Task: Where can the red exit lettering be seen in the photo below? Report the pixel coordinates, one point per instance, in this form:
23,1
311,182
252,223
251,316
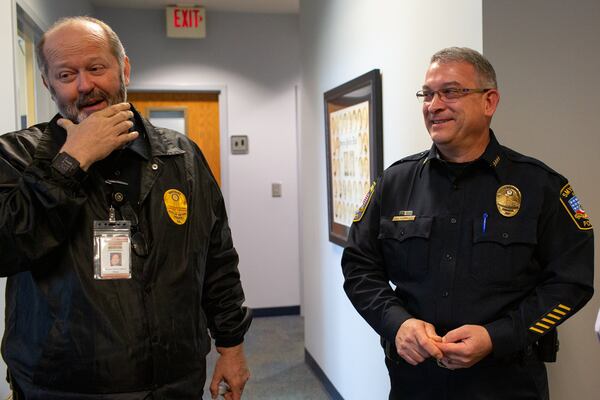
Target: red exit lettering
186,18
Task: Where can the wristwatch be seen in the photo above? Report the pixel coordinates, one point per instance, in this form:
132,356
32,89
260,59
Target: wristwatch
68,166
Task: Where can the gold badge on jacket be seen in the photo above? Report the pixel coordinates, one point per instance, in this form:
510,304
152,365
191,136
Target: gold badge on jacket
508,200
176,205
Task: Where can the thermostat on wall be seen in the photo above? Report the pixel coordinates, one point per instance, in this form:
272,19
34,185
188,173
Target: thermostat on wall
239,144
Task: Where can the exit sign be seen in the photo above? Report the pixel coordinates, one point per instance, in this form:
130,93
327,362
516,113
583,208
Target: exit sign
186,22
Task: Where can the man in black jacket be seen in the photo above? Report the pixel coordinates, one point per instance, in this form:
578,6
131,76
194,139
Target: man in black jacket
99,180
489,251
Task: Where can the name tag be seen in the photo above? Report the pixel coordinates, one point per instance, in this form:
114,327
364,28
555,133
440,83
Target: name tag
398,218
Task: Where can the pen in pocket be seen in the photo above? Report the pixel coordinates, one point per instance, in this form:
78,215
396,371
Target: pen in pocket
484,223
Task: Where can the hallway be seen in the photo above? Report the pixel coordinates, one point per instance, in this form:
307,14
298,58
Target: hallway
275,350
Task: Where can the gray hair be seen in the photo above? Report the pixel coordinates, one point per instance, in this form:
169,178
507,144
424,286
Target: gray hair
114,43
484,69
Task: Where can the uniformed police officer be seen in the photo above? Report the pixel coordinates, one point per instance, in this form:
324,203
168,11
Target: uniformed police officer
489,251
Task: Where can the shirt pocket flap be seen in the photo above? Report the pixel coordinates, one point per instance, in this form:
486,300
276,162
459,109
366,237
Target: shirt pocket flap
420,227
505,231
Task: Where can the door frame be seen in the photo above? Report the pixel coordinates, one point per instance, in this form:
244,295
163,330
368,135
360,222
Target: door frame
221,92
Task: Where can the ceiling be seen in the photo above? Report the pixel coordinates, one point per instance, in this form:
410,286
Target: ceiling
248,6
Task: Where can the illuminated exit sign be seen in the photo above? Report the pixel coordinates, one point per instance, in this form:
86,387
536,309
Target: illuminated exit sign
186,22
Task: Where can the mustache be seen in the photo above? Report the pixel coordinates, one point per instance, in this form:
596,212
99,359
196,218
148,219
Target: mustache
95,96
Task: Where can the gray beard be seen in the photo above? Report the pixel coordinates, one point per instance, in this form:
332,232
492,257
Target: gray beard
72,110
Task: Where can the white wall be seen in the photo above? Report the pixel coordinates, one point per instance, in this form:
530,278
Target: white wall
45,12
546,56
256,58
340,40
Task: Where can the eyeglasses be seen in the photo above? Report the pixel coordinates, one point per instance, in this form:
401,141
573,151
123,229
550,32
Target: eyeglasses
447,95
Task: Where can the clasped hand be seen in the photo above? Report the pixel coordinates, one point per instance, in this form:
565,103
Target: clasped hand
462,347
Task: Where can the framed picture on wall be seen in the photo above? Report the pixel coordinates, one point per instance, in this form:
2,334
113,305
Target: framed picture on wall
354,142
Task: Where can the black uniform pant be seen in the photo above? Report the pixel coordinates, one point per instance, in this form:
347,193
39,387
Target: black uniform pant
522,378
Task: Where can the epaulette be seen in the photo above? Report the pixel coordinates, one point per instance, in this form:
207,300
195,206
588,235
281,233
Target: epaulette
413,157
517,157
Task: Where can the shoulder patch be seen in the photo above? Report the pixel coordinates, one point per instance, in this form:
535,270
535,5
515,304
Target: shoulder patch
571,204
365,203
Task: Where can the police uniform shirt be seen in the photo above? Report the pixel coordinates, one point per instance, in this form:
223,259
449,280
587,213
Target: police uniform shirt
459,253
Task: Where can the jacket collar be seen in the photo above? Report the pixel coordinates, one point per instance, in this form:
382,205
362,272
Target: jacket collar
161,144
52,139
140,146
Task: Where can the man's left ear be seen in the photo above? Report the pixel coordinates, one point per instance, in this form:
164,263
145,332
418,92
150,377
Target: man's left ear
492,98
47,85
44,81
126,70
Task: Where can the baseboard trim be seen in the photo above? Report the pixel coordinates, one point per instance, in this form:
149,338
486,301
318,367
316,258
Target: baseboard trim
329,388
276,311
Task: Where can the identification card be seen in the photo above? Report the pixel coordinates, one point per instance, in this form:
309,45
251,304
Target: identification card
112,249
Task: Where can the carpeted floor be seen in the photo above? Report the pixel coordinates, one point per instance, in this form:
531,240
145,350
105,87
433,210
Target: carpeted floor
275,351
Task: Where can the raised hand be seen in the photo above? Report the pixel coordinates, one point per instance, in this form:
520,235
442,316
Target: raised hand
99,134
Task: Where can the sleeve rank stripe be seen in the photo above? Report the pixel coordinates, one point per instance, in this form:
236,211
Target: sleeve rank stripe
550,319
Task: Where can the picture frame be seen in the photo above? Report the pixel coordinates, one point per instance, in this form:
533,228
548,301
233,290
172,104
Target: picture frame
354,149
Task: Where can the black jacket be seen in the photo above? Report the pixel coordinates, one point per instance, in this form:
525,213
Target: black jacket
435,231
66,331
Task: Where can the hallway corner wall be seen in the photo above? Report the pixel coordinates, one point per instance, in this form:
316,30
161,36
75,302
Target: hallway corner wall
546,57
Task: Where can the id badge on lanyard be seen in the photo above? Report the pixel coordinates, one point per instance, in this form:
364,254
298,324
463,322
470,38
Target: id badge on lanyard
112,248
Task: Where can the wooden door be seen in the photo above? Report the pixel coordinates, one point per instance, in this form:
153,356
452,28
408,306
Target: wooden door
201,115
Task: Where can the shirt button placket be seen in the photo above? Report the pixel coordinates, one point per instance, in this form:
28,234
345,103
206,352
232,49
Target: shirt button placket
450,233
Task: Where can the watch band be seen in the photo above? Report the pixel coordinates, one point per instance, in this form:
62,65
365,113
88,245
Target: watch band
68,166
